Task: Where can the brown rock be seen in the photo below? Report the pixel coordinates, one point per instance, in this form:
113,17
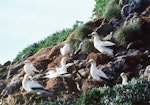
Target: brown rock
55,62
99,58
44,56
56,84
89,84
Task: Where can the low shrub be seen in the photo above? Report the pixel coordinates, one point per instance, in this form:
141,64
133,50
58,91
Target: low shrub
47,103
112,10
136,91
129,33
74,44
88,47
83,31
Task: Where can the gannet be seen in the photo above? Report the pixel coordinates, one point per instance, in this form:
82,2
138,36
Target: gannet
124,78
146,73
65,50
95,72
29,68
59,71
95,16
102,45
30,85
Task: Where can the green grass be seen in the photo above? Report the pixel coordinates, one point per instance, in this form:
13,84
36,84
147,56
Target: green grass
100,6
112,10
129,33
47,103
74,44
83,31
88,47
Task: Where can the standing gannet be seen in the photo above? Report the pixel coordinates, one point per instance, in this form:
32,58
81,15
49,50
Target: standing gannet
29,68
124,78
95,72
59,71
29,85
65,50
102,45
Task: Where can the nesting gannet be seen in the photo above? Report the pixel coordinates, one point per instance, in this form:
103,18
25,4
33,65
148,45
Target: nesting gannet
65,50
102,46
29,68
30,85
146,73
95,72
95,16
124,78
60,71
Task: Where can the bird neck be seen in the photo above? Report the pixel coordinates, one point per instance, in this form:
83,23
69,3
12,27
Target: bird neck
24,80
63,63
124,79
93,66
96,38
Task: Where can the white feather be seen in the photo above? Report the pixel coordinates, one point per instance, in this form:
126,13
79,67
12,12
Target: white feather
65,50
124,78
59,71
101,46
28,84
29,68
95,72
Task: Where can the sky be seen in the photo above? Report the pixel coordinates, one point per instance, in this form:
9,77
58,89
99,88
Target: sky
23,22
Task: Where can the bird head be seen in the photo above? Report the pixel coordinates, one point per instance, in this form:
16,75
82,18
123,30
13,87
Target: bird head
91,61
93,34
28,77
123,75
65,59
26,61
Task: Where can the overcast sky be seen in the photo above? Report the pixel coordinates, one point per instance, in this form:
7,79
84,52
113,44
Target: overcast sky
23,22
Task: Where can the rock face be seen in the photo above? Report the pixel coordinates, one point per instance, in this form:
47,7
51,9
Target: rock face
132,58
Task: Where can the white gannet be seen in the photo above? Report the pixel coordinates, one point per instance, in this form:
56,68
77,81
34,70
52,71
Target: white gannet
146,73
95,16
29,85
102,45
95,72
59,71
124,78
65,50
29,68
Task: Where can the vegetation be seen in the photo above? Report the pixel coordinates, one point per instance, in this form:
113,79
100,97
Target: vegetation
100,6
136,91
74,44
88,47
83,31
47,103
128,33
112,10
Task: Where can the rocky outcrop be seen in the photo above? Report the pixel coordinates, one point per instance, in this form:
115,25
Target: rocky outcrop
132,56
